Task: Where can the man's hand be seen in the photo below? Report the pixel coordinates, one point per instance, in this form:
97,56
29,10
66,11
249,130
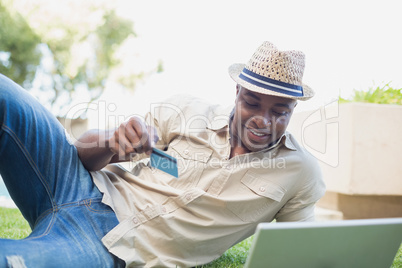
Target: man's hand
132,137
97,148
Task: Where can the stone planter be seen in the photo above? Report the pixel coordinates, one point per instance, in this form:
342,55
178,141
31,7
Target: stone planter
359,147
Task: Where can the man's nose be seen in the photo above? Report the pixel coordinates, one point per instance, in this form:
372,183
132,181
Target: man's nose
262,121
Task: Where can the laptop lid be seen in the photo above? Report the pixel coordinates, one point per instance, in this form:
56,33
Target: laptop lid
349,243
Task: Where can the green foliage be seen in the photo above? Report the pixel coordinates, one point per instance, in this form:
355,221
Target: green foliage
382,95
19,55
111,33
66,51
83,57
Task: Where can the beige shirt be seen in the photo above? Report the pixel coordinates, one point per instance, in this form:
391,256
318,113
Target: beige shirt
215,202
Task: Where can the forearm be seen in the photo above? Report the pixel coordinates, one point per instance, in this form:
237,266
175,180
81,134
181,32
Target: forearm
93,149
97,148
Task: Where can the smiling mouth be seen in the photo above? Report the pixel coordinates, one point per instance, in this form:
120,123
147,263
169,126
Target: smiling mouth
258,134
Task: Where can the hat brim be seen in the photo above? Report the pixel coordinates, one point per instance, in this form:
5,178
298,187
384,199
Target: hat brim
237,68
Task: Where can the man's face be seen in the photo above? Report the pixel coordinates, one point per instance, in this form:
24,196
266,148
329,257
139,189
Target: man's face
259,120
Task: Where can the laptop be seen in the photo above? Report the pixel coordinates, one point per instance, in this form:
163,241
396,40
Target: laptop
349,243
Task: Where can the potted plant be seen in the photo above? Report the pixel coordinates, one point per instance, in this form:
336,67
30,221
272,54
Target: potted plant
357,142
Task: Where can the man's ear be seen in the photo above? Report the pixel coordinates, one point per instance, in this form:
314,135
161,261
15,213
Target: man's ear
238,88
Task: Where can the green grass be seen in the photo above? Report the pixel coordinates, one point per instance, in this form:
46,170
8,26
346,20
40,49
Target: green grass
398,259
233,257
14,226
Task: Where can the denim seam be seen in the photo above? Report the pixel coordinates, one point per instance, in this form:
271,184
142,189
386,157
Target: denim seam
49,227
35,168
88,205
85,202
30,161
44,214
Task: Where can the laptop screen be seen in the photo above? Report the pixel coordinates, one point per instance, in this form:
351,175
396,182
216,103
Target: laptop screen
350,243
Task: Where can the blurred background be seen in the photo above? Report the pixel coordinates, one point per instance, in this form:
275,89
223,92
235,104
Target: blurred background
129,53
98,62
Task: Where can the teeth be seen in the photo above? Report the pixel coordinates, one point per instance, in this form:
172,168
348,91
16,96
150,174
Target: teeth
256,133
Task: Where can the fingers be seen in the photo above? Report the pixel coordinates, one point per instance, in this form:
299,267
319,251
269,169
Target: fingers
133,137
153,135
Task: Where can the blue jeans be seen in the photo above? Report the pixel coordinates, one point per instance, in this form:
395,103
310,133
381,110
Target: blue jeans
52,189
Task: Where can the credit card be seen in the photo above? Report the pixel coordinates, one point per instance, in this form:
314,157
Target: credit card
163,161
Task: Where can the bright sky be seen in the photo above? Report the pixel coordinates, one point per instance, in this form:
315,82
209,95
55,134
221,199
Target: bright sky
348,45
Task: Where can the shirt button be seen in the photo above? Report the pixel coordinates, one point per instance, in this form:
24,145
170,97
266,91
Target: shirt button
262,189
186,152
225,158
135,220
163,210
188,196
228,167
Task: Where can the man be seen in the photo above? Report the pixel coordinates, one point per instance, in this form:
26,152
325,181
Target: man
236,168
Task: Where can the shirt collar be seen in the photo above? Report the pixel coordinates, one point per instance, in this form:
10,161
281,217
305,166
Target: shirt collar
287,142
221,119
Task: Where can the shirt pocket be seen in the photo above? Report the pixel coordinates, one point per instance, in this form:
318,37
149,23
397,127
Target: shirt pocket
256,198
191,162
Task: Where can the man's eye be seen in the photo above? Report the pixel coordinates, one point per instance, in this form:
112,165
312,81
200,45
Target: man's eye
280,113
251,104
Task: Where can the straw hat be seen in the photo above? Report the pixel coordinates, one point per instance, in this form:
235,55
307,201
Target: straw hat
273,72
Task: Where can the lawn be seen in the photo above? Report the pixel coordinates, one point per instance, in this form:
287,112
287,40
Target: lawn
13,225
